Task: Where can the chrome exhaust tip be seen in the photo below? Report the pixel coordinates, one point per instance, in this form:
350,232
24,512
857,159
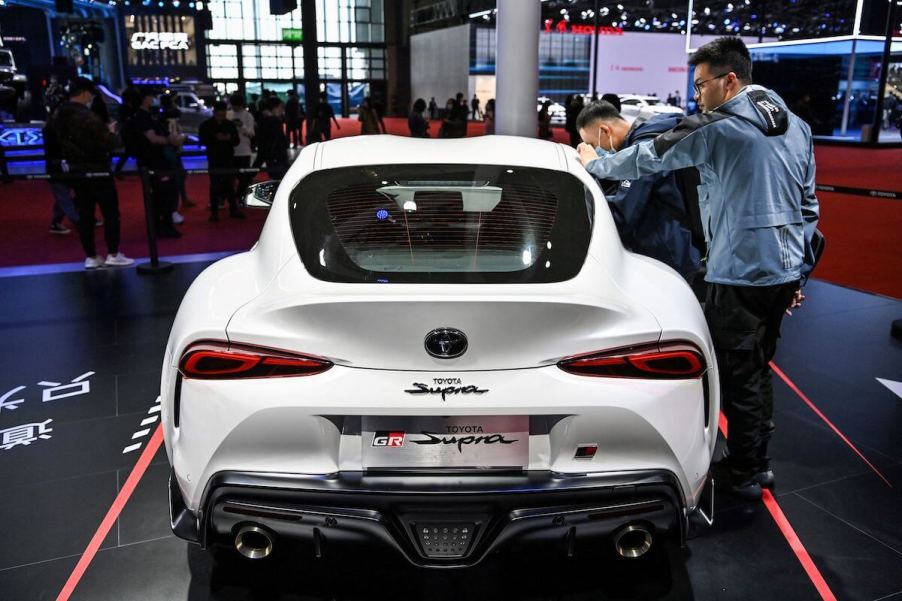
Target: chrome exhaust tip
254,542
632,541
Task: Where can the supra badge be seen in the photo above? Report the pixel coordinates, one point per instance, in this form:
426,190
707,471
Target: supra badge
444,387
388,439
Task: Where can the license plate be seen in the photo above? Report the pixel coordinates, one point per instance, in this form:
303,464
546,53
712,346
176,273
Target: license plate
445,442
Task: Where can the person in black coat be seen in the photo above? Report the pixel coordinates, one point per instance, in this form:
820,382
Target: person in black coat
220,136
294,119
419,127
85,143
272,143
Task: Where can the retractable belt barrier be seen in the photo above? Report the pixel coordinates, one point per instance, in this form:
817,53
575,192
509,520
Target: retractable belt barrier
155,266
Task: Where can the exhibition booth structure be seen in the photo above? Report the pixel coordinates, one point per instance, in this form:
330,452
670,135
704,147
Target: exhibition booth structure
828,65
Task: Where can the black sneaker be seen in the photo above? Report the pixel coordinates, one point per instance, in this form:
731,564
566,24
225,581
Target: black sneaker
765,479
59,228
748,490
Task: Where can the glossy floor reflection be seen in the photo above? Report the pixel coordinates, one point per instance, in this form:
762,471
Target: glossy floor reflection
113,325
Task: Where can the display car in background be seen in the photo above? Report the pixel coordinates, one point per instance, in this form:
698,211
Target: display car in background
555,109
193,109
15,99
443,356
631,105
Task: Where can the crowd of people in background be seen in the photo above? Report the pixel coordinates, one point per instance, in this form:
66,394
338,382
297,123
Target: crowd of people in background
454,117
242,136
149,131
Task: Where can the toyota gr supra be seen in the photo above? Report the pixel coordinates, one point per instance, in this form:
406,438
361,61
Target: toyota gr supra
441,349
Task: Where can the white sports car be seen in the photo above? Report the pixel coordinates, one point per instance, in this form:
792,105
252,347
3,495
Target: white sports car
441,348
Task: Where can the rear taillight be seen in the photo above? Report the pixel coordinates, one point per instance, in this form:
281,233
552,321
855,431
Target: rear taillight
665,361
224,361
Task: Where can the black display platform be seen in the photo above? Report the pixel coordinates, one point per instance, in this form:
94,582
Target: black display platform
56,491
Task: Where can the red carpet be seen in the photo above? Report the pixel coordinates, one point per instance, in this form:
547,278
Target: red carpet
862,233
25,211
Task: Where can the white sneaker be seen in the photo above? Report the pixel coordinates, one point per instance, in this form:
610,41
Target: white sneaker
177,218
93,262
118,260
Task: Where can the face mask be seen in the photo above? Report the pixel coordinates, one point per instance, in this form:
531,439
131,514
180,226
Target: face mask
605,151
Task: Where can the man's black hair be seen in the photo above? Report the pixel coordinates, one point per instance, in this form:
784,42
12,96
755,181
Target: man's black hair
237,99
80,85
724,55
272,102
220,106
601,110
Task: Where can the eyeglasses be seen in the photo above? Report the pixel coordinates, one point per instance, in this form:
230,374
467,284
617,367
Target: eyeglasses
701,84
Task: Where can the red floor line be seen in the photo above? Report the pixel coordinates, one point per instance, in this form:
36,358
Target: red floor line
797,547
823,417
113,514
795,543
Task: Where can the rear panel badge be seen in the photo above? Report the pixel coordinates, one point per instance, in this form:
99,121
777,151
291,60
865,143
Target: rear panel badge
388,439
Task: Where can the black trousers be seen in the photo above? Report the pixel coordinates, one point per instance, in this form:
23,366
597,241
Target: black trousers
745,325
294,130
97,192
244,179
222,187
165,198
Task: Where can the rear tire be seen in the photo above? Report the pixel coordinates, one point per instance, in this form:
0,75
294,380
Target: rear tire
23,108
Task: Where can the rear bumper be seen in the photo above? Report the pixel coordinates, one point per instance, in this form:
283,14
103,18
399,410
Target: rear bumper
556,514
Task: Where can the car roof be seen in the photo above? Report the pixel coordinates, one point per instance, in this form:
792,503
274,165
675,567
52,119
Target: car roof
487,150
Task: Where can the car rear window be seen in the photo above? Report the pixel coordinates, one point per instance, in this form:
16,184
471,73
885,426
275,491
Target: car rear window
441,224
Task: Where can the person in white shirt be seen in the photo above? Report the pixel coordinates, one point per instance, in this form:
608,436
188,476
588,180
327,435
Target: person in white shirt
244,121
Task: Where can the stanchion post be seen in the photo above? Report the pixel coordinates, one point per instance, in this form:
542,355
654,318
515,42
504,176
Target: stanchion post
155,265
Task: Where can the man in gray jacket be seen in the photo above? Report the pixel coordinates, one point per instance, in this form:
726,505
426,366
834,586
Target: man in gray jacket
759,212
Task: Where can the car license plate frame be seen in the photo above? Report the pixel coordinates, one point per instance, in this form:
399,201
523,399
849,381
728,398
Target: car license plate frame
446,442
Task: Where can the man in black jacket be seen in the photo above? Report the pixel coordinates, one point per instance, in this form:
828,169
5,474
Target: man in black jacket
86,143
150,139
220,136
272,144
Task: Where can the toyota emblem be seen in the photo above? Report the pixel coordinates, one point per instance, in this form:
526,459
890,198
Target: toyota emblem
446,343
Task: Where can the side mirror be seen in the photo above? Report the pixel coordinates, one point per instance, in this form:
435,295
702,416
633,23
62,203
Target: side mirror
260,196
